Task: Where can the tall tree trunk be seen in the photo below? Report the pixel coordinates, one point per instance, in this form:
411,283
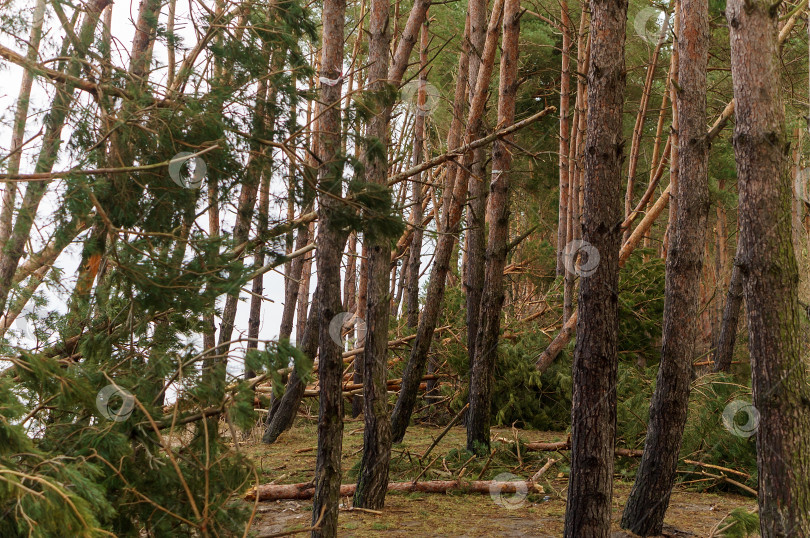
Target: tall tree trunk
574,228
417,215
372,481
770,276
415,368
483,371
475,236
565,94
330,249
649,498
593,417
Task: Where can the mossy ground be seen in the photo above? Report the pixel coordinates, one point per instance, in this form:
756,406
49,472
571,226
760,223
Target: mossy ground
292,459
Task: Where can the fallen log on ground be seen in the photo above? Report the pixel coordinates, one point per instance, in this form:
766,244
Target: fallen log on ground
305,491
629,453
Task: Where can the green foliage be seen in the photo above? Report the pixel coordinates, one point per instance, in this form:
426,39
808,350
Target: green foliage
641,307
741,524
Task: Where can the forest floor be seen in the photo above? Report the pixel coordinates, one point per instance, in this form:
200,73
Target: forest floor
292,460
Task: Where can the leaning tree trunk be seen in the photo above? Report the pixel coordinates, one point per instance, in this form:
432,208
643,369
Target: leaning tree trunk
649,498
373,477
330,250
288,404
770,275
593,417
486,350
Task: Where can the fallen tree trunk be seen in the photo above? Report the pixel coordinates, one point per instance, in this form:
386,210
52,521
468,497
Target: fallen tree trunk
276,492
565,445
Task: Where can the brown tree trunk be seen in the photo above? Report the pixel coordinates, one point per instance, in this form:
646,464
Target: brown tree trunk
255,313
486,350
362,312
649,498
574,227
728,326
417,215
330,249
565,94
475,244
593,417
770,276
373,476
288,404
674,172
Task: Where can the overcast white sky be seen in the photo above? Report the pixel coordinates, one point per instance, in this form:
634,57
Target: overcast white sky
124,13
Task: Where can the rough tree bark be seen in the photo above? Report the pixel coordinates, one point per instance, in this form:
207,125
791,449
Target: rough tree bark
372,480
475,244
728,326
649,498
330,249
486,350
593,417
770,275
